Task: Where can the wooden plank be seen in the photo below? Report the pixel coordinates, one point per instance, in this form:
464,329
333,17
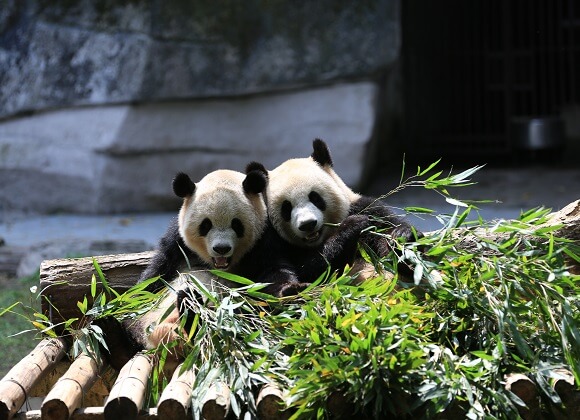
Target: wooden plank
176,397
64,282
128,393
67,394
16,385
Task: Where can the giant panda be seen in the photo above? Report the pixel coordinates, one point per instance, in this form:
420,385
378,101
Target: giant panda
222,224
318,215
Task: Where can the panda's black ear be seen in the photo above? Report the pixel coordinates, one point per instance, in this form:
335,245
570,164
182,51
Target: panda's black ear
256,180
183,186
256,166
320,153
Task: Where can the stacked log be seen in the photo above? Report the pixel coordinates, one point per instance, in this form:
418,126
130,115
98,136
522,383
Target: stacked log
128,393
18,382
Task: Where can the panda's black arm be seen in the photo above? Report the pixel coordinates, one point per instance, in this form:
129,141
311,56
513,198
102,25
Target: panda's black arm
120,341
170,255
337,251
382,217
267,262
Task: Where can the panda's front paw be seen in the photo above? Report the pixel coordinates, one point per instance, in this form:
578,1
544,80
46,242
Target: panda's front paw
405,232
291,289
355,223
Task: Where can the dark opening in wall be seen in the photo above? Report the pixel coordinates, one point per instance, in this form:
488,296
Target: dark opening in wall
476,72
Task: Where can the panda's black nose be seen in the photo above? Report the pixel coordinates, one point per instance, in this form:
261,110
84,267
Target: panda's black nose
222,249
307,226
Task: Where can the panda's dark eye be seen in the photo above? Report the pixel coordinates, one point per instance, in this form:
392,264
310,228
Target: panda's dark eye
317,200
238,227
286,210
205,227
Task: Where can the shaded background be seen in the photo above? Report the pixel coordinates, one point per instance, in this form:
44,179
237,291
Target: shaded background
102,102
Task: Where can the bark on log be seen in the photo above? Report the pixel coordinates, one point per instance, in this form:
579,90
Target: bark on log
67,394
128,393
16,385
64,282
176,397
568,217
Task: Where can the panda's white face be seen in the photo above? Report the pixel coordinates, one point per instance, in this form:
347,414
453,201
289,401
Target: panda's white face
303,198
220,222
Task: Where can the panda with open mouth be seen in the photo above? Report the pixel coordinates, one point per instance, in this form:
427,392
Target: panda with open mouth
222,224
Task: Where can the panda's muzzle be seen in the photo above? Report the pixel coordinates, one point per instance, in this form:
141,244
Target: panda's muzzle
309,226
312,237
221,261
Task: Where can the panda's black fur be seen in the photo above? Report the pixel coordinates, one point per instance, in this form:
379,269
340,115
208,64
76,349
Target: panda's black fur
306,181
261,261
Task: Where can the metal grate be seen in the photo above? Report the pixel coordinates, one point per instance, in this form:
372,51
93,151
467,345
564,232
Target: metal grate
471,67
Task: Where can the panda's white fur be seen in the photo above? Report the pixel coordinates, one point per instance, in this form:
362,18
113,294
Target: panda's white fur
222,218
219,198
161,324
293,181
312,208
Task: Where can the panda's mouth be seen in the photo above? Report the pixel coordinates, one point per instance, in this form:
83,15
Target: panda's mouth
313,237
221,263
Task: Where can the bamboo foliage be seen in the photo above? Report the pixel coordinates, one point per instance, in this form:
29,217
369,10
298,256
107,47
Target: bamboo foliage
487,328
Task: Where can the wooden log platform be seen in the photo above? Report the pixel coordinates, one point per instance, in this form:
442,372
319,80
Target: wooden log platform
66,281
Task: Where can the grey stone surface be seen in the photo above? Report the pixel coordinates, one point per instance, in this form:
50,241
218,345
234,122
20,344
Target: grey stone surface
58,54
122,158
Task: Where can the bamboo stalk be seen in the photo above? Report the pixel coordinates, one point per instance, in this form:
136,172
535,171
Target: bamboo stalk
216,404
270,403
176,397
17,383
128,392
67,394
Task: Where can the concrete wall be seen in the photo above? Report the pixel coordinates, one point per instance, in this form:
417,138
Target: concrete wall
101,103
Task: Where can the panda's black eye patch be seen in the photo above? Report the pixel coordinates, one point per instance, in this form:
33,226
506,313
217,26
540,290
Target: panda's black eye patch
286,210
317,200
205,227
238,227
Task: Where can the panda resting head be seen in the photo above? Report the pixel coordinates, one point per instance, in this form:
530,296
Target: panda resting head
222,216
304,195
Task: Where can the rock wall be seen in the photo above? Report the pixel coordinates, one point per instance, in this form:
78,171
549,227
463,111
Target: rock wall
102,102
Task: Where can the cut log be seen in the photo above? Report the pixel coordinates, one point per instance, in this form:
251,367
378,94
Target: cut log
128,393
16,385
526,390
176,397
67,394
64,282
270,403
216,404
89,413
